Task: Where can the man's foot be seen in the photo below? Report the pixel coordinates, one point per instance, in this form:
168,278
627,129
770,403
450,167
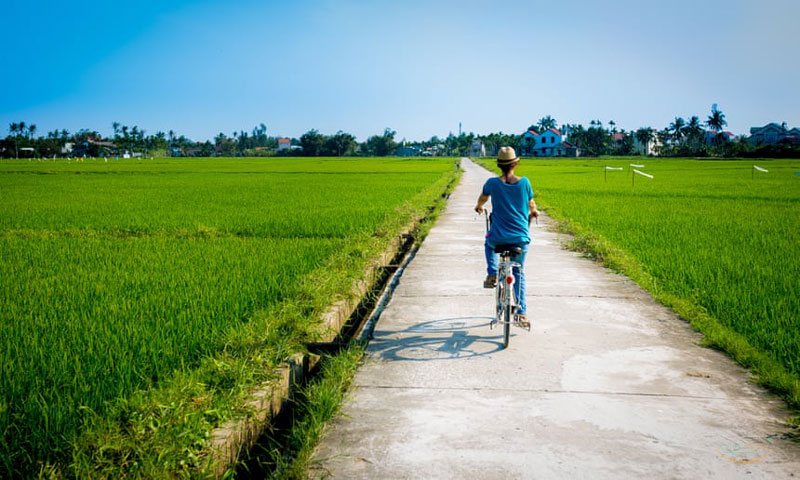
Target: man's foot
490,282
523,321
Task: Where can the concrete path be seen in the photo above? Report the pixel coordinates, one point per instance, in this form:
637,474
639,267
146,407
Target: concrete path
609,384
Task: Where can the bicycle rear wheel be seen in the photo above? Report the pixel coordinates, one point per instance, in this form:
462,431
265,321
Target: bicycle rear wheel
506,325
498,308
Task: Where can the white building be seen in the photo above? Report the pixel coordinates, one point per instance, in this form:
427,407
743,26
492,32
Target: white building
284,144
478,149
650,149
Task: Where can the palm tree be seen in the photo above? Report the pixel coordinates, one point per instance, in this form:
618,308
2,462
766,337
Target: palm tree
31,130
693,127
13,129
645,136
115,126
716,121
613,126
677,127
547,122
134,137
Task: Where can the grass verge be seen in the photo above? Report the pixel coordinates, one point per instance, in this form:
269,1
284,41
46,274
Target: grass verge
287,455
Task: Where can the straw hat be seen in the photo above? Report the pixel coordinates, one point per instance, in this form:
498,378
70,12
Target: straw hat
506,156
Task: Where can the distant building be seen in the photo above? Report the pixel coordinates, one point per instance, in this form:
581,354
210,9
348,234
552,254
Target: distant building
650,149
409,151
617,139
769,134
550,143
791,140
529,139
478,149
284,144
90,148
566,149
712,137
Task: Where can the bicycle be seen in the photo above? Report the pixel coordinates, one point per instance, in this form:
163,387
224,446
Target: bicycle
506,298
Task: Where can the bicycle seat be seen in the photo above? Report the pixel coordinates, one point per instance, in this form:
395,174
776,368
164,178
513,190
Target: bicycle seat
510,248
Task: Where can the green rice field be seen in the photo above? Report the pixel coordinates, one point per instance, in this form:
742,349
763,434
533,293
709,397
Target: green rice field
716,240
141,298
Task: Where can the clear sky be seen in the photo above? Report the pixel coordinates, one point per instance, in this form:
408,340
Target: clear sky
418,67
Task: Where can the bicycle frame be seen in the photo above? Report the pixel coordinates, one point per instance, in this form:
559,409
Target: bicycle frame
506,296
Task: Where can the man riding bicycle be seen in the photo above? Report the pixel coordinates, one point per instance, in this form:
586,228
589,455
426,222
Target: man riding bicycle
512,209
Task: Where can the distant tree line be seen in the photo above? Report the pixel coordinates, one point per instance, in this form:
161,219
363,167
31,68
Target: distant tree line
682,138
22,142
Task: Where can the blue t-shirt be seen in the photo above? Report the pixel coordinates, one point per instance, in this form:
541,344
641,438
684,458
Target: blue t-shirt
509,211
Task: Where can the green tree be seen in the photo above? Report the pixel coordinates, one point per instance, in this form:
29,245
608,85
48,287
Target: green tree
547,122
382,145
716,121
13,129
312,142
340,144
677,128
645,136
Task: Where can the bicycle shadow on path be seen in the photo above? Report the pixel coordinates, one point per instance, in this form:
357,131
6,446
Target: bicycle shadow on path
441,339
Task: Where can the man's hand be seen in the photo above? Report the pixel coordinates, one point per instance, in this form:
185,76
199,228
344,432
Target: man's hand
479,209
535,213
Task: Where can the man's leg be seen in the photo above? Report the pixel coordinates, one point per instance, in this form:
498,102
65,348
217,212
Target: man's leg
519,278
491,266
491,259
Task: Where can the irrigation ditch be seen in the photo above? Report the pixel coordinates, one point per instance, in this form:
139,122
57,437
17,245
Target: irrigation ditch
245,447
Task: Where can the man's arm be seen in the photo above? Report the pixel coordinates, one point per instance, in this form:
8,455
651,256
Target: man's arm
481,201
532,208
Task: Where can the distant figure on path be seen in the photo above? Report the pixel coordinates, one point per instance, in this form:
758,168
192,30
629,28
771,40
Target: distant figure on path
512,209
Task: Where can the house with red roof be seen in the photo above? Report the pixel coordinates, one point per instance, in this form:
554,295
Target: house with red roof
550,143
713,137
284,144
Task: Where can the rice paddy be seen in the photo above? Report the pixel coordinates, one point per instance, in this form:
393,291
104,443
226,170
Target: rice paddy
122,280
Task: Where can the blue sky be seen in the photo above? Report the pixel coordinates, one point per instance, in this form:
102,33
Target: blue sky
418,67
